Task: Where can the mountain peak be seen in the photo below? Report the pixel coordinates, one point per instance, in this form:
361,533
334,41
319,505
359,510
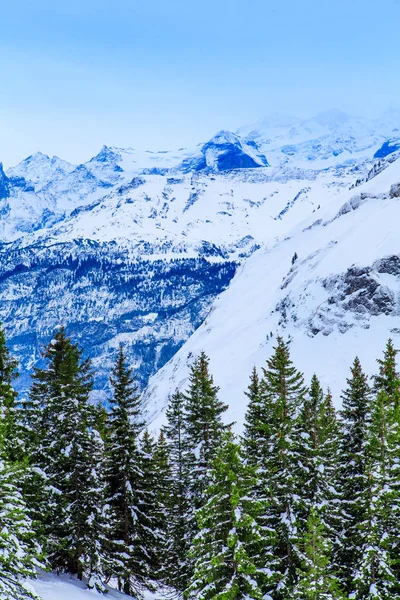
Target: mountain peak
331,118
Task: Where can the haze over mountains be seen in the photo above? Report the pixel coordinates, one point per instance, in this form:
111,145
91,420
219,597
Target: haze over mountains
148,247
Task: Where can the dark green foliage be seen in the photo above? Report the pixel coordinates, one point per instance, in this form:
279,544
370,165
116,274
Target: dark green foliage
315,580
283,392
225,547
128,561
203,424
177,566
66,499
355,416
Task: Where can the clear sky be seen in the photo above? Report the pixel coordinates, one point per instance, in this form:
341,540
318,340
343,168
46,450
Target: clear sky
162,74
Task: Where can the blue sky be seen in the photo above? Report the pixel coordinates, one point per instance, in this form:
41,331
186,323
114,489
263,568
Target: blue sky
167,73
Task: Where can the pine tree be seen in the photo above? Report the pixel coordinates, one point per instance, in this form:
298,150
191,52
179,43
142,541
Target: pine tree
128,560
20,553
315,578
374,577
225,566
164,491
180,511
62,443
150,524
378,567
11,447
354,464
255,422
283,392
319,444
203,424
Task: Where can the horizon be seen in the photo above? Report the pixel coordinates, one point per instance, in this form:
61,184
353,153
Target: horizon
162,75
195,143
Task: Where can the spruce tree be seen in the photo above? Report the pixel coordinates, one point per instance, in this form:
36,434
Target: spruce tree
354,465
379,563
128,559
256,421
315,578
150,510
11,446
374,576
19,551
225,547
180,510
203,424
163,492
59,430
283,392
319,465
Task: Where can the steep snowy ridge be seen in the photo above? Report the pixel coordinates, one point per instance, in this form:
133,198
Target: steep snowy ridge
341,297
135,246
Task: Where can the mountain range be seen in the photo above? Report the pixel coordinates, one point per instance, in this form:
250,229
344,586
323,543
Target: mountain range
172,252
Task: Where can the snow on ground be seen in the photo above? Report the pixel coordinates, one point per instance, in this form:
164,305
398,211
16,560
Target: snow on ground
328,314
63,587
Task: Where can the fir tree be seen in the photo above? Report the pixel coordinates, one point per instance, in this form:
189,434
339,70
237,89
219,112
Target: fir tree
203,424
315,578
380,531
319,444
255,422
374,577
178,565
20,553
163,491
283,393
150,511
353,477
60,434
10,443
128,560
225,566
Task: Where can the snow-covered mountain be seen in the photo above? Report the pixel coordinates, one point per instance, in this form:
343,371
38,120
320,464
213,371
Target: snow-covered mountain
338,299
136,246
330,138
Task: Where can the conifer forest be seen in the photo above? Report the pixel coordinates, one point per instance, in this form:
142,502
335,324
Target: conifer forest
303,505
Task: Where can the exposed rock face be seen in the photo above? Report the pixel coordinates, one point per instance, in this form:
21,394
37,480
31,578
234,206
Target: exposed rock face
395,190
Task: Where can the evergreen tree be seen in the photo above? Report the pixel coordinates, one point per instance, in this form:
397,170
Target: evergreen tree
374,577
283,393
10,443
59,428
319,444
354,464
180,510
203,424
256,422
20,553
164,490
315,578
150,510
379,562
225,566
128,559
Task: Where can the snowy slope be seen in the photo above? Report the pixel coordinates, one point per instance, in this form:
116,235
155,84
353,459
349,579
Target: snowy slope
52,587
135,246
340,298
325,140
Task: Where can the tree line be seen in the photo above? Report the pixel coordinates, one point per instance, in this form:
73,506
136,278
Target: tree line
304,505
